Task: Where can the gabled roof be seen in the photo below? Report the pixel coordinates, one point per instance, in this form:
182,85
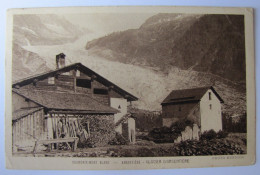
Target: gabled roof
81,68
189,95
65,101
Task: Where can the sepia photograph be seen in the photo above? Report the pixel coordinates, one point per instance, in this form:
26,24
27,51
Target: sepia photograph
147,84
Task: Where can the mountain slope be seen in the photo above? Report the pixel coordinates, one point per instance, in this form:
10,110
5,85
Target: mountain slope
205,43
26,63
31,30
44,30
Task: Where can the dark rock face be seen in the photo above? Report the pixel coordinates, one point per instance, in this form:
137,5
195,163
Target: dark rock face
206,43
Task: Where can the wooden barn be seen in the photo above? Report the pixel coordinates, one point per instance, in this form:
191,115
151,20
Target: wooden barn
201,106
69,104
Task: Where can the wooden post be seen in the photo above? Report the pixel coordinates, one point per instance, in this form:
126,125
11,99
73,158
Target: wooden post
75,82
68,126
88,129
13,136
75,144
35,147
53,129
56,129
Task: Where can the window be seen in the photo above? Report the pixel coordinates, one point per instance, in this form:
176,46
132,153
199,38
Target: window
209,95
77,73
179,108
83,83
101,91
210,106
51,80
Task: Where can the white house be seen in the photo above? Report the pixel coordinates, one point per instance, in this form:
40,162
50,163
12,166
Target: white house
201,105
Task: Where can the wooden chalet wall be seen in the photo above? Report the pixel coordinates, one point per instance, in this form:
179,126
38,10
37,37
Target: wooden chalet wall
29,128
68,82
65,83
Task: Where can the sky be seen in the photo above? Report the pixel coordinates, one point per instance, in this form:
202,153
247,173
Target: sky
108,22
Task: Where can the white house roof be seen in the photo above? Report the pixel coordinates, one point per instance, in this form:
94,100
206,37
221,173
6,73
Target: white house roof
189,95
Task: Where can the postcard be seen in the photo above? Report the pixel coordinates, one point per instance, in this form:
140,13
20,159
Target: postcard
98,88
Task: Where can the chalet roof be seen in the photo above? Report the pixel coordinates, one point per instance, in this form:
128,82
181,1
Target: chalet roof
65,101
188,95
81,68
20,113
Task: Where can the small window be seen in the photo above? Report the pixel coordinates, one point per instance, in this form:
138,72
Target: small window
101,91
77,73
179,108
210,106
83,83
209,95
51,80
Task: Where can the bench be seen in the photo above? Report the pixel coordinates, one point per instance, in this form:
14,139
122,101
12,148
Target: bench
59,140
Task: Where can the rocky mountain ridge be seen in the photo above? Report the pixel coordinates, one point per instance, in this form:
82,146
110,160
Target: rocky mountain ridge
205,43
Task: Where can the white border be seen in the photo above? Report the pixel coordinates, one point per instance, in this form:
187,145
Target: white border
198,161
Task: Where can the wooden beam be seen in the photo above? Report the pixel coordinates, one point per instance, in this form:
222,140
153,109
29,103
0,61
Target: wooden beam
57,141
77,112
111,87
35,81
93,77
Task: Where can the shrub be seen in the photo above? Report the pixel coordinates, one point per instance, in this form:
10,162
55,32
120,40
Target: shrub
118,140
180,126
169,134
208,135
161,135
222,134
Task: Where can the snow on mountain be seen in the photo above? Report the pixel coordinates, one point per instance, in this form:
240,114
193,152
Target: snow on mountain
45,30
30,30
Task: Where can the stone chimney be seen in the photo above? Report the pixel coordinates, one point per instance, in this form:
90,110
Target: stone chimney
60,60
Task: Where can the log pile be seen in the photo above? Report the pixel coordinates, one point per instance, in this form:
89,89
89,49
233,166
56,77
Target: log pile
102,130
